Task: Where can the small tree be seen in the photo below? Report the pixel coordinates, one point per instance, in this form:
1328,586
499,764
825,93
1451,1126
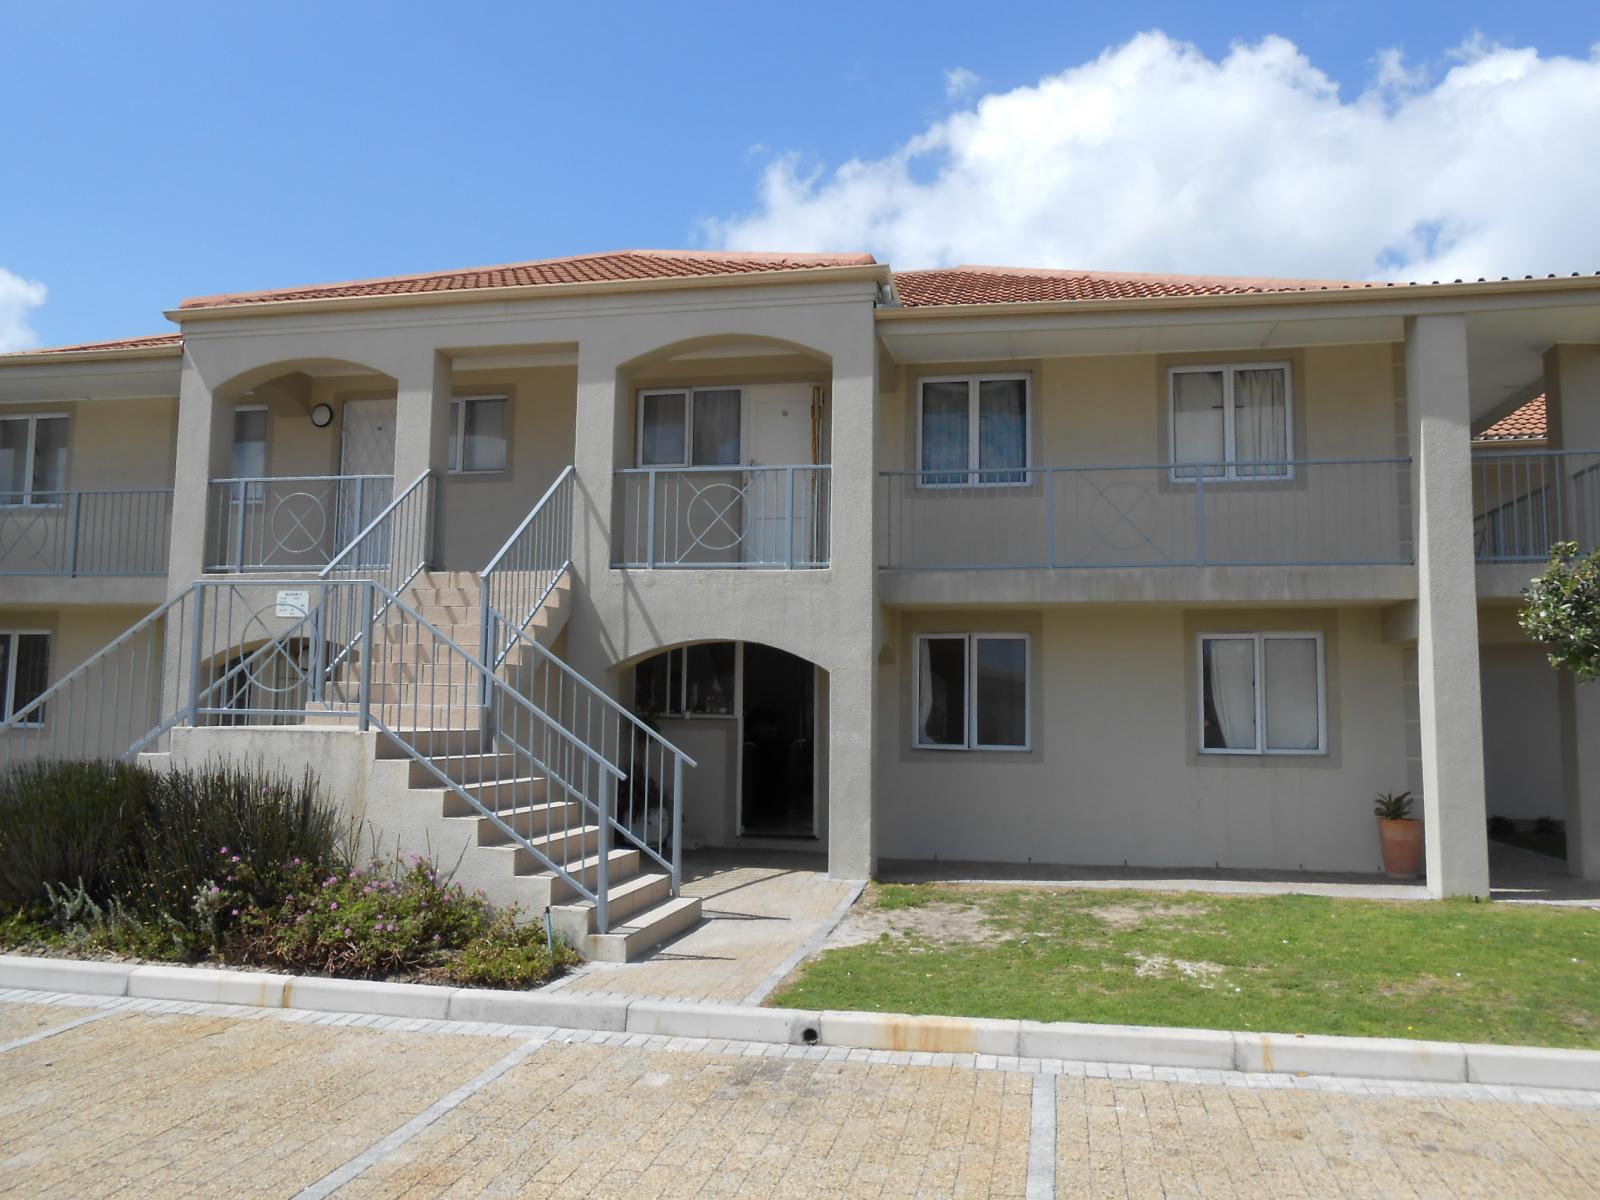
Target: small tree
1561,611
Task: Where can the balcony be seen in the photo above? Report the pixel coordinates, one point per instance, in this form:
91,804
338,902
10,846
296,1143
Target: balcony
1523,503
288,523
1331,512
87,534
687,518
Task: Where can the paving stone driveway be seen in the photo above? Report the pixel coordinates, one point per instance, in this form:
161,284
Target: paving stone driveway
164,1100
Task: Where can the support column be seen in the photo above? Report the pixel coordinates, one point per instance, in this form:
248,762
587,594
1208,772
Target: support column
853,675
422,419
204,451
1572,398
1449,689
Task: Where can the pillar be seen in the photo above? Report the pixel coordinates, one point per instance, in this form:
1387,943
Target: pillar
1450,701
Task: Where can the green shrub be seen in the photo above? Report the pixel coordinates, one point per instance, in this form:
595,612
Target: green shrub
506,955
68,825
1561,611
120,855
378,920
228,838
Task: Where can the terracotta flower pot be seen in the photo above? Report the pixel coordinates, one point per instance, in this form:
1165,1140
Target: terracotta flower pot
1402,848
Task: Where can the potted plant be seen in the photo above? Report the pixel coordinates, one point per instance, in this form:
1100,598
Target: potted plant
1400,835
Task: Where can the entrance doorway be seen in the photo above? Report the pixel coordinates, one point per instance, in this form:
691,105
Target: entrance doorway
366,447
779,753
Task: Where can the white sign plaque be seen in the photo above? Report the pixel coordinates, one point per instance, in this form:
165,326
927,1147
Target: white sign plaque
294,604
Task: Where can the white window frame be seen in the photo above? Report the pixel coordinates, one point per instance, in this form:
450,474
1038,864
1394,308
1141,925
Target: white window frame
970,657
681,712
458,425
9,683
973,471
1230,473
1260,639
688,393
30,457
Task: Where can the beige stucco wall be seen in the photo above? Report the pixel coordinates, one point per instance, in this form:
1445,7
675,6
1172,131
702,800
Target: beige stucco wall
478,512
1114,776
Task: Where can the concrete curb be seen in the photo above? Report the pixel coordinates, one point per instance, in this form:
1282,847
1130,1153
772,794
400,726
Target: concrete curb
1370,1058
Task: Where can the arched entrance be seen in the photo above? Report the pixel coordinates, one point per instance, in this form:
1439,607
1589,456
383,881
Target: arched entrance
753,715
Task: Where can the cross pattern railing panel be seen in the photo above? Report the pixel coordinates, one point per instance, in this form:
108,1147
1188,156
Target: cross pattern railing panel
1524,503
82,533
287,523
773,517
1306,512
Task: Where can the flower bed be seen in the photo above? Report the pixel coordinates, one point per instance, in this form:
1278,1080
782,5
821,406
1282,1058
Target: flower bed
237,866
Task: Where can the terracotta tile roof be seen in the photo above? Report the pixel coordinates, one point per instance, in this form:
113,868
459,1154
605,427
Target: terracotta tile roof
150,342
616,266
1526,423
1020,285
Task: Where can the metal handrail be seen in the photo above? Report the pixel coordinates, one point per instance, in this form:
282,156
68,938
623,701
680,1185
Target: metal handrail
294,478
556,507
1161,466
374,523
635,726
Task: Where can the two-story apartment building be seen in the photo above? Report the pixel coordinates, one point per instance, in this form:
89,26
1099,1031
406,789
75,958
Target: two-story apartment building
585,560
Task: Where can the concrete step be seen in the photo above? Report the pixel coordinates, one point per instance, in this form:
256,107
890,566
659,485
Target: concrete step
447,745
471,768
627,896
529,820
642,932
620,864
572,843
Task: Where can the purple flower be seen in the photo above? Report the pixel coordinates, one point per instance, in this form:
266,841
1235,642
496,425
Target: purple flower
334,904
235,858
224,850
347,931
215,890
236,912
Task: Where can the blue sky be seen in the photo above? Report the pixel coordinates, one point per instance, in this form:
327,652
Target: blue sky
155,152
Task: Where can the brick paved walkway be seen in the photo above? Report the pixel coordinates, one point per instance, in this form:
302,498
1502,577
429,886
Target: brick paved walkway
164,1099
755,918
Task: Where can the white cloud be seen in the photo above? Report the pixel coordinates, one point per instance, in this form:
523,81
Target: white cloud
1154,157
17,297
958,81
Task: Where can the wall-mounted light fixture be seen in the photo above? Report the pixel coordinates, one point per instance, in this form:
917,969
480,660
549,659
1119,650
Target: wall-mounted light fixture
322,416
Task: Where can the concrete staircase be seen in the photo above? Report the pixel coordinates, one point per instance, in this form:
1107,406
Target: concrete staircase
431,701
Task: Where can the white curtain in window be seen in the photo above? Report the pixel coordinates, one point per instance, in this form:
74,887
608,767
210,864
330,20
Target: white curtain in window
1197,419
1291,702
945,417
249,443
49,454
1260,420
716,428
1230,684
663,441
13,460
484,424
942,691
1002,430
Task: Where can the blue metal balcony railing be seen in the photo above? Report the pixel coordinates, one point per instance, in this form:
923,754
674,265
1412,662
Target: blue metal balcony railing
86,533
1304,512
774,518
287,523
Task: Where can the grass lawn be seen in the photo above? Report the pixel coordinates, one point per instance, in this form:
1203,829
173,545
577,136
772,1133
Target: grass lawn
1453,970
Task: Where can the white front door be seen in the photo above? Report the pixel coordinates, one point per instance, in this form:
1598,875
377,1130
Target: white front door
366,447
779,436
